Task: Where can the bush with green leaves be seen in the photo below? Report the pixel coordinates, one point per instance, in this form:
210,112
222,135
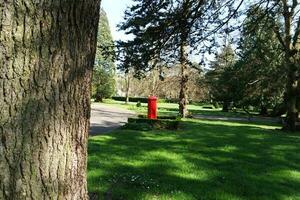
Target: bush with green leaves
103,84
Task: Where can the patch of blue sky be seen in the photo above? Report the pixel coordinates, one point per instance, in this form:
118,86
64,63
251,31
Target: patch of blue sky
115,10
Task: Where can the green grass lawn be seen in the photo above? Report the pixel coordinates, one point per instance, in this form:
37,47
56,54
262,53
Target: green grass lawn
172,109
203,160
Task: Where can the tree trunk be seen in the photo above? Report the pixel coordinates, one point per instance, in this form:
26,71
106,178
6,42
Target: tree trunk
183,98
263,110
292,111
225,106
292,83
47,51
127,89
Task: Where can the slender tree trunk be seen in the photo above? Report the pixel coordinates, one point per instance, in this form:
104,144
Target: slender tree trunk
225,106
127,88
183,98
263,110
292,83
154,84
292,111
47,51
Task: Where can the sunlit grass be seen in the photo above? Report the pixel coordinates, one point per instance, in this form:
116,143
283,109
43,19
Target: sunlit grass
172,109
203,160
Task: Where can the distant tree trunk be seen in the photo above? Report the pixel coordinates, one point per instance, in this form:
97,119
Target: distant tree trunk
183,98
292,84
225,106
154,85
290,50
47,51
127,88
263,110
292,110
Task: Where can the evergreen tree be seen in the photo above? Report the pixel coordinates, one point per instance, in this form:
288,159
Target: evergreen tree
103,82
260,66
288,35
219,77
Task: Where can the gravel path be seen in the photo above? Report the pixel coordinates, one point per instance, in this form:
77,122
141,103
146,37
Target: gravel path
107,118
243,119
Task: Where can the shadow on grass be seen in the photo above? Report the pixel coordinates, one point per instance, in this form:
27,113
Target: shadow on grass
205,160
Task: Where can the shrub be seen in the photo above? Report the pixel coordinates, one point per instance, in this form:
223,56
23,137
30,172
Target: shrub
144,124
216,105
103,84
159,117
208,107
137,126
138,104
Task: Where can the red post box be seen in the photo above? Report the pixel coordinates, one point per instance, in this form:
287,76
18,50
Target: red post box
152,107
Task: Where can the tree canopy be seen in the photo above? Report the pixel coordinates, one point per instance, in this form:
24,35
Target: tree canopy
103,82
168,32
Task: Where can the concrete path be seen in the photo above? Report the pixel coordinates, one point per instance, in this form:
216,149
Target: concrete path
107,118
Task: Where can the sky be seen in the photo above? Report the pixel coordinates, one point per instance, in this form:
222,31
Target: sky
115,11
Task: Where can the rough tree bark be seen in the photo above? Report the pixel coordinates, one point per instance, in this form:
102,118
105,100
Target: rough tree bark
127,88
183,98
183,59
47,51
290,49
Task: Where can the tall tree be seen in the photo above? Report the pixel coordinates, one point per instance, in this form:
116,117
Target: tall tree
260,58
219,77
167,32
288,34
47,52
103,83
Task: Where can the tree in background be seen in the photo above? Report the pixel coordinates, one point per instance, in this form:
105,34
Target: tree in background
167,32
47,56
103,82
288,34
219,77
259,69
164,83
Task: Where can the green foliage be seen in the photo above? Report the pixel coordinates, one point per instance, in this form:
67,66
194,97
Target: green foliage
256,77
105,45
138,104
221,86
103,84
103,81
162,28
259,69
154,123
216,104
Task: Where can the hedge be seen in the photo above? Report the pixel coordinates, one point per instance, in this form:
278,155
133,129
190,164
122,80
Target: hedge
160,100
148,124
144,99
132,99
